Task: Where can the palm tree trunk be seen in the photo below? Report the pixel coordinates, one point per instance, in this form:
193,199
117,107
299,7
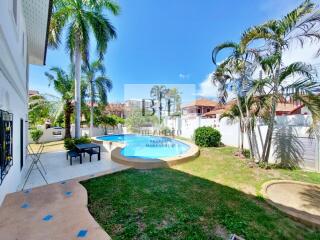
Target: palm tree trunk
241,119
241,136
77,89
249,132
67,119
91,109
267,144
255,143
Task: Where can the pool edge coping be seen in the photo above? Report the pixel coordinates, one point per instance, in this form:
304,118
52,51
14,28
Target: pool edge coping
144,163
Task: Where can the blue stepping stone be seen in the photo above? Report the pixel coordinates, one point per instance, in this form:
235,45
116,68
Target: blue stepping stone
47,218
25,205
82,233
68,194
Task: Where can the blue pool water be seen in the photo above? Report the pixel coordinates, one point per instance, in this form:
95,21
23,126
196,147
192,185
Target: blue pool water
150,147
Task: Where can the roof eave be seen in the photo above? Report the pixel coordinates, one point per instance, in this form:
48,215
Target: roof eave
48,28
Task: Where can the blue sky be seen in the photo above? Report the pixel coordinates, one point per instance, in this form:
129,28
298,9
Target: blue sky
169,41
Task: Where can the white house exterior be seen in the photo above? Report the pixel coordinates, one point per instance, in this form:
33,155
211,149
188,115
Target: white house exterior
23,41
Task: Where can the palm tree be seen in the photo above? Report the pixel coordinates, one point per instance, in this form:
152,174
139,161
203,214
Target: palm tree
235,72
98,85
233,114
80,19
301,89
174,95
299,25
159,92
63,83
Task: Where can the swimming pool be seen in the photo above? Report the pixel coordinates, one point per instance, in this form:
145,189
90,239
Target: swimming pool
147,147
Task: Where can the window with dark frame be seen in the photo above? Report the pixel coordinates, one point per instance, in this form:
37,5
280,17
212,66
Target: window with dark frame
15,10
6,141
22,44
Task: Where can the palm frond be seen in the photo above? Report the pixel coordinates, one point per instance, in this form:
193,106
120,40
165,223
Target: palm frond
291,21
103,85
226,45
297,68
255,33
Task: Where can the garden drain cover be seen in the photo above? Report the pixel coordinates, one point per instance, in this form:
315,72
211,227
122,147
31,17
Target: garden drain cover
235,237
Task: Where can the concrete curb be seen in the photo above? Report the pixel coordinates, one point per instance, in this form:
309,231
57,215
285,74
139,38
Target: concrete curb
306,218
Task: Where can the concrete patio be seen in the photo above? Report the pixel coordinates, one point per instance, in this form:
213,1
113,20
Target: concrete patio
59,169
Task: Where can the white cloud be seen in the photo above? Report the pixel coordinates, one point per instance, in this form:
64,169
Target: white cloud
305,54
207,88
184,75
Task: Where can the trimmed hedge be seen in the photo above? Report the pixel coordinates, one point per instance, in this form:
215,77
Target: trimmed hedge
207,137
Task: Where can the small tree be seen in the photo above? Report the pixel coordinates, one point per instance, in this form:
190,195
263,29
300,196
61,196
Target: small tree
36,135
39,110
108,120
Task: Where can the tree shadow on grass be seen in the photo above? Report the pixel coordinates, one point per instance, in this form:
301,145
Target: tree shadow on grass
311,195
170,204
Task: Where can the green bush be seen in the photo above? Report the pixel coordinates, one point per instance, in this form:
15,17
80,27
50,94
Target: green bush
70,143
246,153
207,137
36,135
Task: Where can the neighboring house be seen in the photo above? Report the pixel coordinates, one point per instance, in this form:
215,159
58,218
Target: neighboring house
33,93
132,103
23,41
219,110
199,107
115,109
291,109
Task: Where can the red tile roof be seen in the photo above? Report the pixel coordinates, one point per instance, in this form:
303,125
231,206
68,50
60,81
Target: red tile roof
202,102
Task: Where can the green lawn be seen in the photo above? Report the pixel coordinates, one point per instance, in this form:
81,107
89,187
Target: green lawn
208,198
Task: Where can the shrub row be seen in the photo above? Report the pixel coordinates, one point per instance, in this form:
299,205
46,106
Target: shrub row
70,143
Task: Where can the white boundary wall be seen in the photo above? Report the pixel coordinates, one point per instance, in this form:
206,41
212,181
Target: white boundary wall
231,133
52,134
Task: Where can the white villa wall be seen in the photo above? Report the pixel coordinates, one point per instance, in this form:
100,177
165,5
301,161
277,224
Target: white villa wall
13,83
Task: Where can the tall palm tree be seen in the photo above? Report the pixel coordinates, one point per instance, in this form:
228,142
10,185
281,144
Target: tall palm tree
99,85
299,25
80,19
63,83
233,114
159,92
175,96
235,72
299,89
